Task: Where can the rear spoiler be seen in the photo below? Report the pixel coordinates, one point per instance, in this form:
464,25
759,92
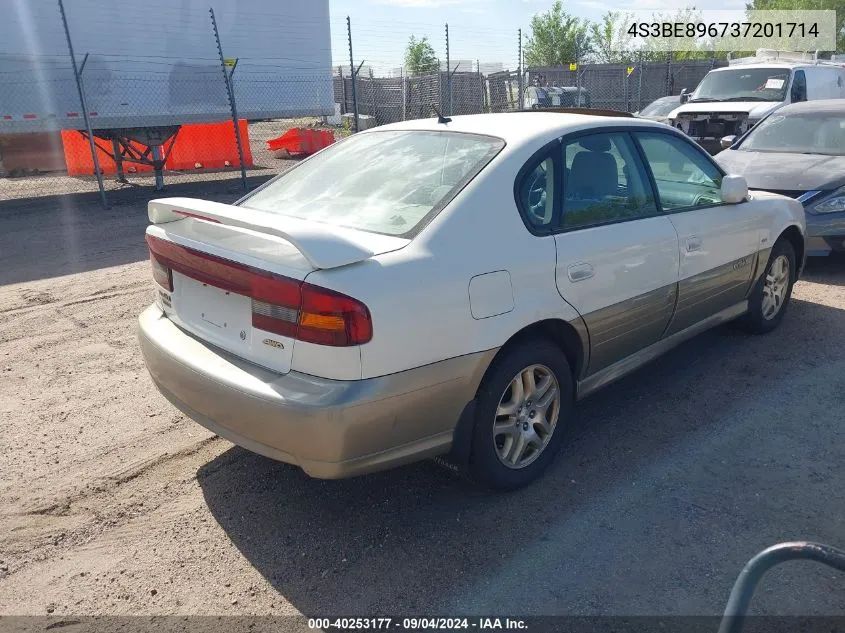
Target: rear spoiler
324,246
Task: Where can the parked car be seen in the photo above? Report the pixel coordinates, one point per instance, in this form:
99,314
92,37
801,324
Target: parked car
799,151
731,100
540,97
454,286
660,109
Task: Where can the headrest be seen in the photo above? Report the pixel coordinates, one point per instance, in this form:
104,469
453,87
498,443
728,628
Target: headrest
597,143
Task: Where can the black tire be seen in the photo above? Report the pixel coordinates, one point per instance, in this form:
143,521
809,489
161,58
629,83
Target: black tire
755,321
485,465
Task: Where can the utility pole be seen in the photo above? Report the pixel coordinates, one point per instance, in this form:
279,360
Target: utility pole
84,105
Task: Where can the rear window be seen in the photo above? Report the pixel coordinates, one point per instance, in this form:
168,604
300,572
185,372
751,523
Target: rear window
387,182
661,107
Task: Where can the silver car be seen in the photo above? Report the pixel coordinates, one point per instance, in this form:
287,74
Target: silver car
799,151
660,109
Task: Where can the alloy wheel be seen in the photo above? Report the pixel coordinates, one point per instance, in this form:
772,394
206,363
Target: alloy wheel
527,416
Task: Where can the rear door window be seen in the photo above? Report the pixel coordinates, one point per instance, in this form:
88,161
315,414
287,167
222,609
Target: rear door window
604,181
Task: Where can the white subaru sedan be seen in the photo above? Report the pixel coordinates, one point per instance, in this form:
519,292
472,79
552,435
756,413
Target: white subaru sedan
453,287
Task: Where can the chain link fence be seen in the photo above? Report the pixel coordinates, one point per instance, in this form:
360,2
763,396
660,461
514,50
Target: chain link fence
626,87
152,121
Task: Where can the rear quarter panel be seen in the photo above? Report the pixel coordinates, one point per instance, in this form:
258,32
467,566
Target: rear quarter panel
419,296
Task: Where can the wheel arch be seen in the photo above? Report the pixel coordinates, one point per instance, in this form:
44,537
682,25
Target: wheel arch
571,338
796,238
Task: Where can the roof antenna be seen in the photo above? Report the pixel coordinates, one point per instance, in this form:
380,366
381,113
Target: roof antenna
440,117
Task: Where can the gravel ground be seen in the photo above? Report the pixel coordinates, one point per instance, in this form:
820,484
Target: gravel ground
111,502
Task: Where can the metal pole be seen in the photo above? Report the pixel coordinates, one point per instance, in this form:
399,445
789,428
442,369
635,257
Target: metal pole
84,105
342,90
404,94
627,81
118,159
439,87
519,69
480,84
159,178
373,96
743,589
448,70
577,73
640,81
231,94
354,74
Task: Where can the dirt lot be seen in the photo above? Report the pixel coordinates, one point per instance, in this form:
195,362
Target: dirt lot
111,502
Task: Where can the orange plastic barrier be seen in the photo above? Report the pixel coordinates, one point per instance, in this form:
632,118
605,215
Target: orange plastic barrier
197,146
299,140
79,161
211,145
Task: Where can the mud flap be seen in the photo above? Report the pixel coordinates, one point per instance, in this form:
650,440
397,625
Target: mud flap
457,459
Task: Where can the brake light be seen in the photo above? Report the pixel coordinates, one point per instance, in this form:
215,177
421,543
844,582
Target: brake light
280,305
162,275
330,318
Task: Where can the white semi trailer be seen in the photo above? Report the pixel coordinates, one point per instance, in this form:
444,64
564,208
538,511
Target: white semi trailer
149,66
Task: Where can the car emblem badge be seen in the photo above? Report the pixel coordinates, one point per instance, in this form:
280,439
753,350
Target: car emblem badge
243,335
272,343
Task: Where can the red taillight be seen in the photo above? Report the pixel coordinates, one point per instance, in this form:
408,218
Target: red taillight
279,304
330,318
162,275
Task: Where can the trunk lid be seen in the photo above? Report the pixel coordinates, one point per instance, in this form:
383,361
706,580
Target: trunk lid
231,263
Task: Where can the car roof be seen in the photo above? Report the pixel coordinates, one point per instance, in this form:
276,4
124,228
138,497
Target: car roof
832,106
516,127
783,65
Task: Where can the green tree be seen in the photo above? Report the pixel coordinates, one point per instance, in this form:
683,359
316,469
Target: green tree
807,5
557,38
611,41
420,57
659,49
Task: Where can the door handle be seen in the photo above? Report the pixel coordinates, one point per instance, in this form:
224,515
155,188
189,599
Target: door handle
580,272
693,243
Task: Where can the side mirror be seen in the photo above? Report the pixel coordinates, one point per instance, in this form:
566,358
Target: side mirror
727,141
684,96
734,189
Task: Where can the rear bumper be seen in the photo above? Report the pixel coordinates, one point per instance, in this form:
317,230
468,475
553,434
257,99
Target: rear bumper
330,428
825,245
